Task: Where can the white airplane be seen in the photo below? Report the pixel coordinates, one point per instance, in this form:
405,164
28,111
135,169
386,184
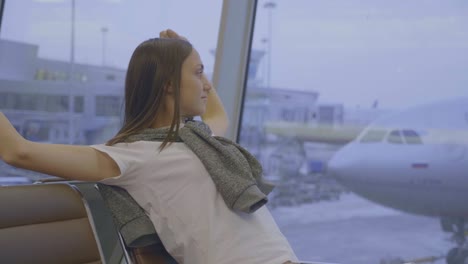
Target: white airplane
415,161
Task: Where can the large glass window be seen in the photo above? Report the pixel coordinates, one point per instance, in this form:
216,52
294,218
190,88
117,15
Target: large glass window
63,62
320,73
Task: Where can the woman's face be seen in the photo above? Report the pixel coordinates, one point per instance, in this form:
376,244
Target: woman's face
194,86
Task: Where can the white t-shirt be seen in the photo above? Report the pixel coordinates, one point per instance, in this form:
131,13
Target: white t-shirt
190,216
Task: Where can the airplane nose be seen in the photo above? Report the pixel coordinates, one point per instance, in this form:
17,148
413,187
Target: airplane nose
340,164
335,166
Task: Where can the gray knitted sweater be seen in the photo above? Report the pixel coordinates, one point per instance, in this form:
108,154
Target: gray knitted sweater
236,174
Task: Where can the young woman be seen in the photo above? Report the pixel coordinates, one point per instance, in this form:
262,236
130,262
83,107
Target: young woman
165,85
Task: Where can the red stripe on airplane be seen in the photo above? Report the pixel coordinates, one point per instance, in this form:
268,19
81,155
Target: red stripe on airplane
420,165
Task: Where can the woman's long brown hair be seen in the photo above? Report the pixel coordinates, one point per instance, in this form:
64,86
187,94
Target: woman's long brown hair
155,63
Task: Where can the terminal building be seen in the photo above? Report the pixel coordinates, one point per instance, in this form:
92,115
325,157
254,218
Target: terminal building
47,105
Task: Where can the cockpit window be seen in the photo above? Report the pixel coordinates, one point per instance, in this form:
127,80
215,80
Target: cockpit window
373,136
395,137
411,137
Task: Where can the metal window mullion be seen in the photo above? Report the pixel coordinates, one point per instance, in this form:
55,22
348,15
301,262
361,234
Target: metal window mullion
232,56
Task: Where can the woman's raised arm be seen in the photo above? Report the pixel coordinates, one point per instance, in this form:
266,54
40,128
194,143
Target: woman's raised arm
215,115
67,161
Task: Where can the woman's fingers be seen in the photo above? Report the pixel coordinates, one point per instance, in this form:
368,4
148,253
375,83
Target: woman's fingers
169,33
163,34
172,34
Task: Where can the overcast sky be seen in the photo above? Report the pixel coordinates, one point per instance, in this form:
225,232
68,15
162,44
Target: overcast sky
398,52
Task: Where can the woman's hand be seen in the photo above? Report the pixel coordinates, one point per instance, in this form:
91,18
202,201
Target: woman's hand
169,33
10,140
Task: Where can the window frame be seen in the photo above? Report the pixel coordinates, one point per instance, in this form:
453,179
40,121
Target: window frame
232,56
2,7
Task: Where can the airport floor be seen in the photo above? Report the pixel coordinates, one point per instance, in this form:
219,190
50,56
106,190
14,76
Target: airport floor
355,231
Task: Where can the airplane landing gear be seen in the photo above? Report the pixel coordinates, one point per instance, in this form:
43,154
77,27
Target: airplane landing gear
459,254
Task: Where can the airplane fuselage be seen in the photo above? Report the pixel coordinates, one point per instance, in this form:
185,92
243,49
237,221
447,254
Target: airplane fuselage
424,179
415,161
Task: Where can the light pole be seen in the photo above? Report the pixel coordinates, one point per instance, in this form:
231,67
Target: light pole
265,65
269,6
104,31
71,101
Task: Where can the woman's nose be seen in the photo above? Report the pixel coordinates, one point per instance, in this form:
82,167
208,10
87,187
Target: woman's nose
207,87
206,84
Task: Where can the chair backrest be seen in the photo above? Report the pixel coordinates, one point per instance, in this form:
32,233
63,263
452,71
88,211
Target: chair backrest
144,246
151,254
46,223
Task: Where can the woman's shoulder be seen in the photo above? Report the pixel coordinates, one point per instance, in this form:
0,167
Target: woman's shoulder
137,151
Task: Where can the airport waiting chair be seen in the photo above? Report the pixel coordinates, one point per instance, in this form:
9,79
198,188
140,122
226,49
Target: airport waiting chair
46,223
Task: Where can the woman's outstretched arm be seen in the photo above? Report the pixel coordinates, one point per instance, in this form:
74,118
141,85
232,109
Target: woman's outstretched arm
67,161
